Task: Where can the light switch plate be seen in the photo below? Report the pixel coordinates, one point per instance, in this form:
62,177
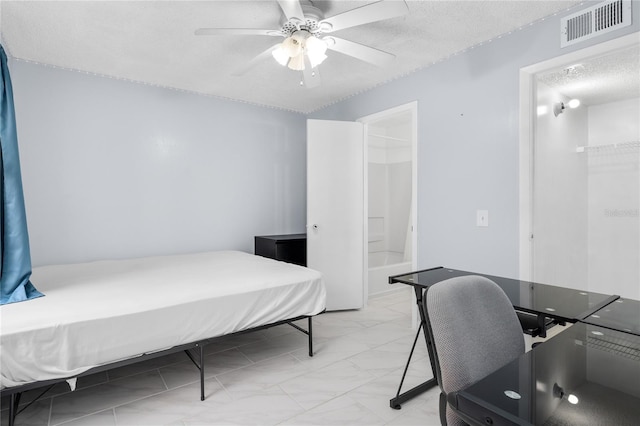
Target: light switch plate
482,218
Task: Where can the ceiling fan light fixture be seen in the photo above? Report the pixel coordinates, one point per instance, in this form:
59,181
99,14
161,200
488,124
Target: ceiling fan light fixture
297,62
291,46
302,24
315,46
280,55
315,59
315,49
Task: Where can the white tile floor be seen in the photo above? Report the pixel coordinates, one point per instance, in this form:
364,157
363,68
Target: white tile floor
265,377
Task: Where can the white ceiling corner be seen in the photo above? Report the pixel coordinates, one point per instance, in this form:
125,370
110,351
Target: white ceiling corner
153,42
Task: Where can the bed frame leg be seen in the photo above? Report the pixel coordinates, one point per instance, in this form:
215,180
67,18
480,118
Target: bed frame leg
13,407
310,337
201,372
199,365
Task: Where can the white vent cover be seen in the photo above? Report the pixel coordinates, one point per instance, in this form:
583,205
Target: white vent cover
599,19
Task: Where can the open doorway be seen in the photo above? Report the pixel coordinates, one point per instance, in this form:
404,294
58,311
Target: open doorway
583,161
390,196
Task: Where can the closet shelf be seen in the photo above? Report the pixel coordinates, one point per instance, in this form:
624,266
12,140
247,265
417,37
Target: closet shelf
612,146
388,137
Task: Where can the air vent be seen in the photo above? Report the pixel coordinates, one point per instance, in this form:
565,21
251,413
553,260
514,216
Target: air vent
594,21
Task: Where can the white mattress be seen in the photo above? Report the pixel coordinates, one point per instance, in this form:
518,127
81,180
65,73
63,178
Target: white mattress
101,312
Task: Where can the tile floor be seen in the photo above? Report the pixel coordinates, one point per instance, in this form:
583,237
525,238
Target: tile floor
265,377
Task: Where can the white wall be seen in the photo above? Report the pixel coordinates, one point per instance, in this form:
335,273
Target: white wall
468,132
113,169
378,189
614,122
560,223
614,198
389,185
586,224
389,206
398,205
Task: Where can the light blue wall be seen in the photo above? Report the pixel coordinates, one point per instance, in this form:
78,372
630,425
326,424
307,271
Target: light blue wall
113,169
468,131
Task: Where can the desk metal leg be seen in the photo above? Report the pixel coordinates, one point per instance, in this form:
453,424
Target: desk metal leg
542,326
396,403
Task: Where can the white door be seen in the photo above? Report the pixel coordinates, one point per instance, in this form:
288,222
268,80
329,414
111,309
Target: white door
335,209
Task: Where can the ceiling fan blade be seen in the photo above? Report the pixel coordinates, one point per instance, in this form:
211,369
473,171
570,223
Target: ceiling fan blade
236,31
311,75
255,61
292,9
385,9
360,51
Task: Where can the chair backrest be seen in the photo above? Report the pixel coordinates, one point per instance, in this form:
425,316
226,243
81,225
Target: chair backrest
475,331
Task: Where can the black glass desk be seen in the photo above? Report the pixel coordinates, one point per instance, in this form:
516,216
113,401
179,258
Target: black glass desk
545,301
586,375
622,315
555,302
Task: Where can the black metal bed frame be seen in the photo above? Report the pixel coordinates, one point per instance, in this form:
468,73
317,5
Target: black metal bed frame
16,392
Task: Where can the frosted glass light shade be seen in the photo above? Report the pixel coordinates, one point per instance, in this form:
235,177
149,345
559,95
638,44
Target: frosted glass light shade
316,60
291,52
315,49
315,46
292,46
297,62
280,55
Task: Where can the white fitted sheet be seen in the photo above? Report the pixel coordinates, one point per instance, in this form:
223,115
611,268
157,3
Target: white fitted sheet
102,312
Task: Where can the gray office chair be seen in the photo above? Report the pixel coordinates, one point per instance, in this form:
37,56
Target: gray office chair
474,330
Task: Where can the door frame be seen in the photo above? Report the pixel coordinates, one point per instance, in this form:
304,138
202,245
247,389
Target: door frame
528,114
411,107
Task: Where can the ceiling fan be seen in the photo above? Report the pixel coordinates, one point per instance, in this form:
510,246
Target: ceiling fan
305,30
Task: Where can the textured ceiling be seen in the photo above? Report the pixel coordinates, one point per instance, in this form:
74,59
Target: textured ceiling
153,42
607,78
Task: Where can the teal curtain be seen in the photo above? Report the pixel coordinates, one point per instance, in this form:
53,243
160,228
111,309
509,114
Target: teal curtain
14,242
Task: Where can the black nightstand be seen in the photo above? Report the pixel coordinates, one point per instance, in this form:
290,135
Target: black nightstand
290,248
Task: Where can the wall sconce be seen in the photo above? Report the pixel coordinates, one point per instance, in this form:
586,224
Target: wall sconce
558,392
560,106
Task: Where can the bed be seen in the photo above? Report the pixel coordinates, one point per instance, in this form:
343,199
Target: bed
101,313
